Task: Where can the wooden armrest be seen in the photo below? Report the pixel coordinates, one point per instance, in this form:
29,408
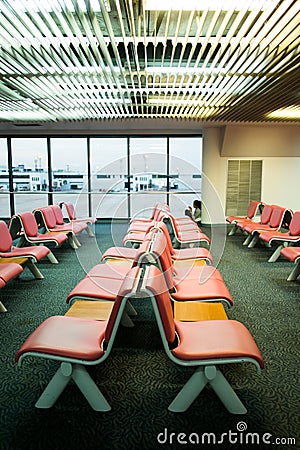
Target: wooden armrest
96,310
196,311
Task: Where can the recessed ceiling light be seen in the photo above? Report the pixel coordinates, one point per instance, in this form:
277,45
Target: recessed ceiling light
291,112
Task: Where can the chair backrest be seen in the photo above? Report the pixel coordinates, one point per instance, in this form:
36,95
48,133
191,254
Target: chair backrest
5,237
163,228
159,249
294,228
266,214
29,224
48,216
58,214
277,216
252,209
70,210
128,286
154,281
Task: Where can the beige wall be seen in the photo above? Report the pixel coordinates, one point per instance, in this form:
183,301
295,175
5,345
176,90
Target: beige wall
277,146
261,141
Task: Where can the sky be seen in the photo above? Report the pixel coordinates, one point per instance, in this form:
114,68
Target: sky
70,153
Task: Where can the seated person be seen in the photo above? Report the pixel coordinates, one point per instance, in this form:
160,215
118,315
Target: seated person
196,214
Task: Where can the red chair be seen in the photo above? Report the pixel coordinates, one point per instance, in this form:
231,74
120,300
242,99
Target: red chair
185,235
32,254
252,210
290,237
24,227
195,253
8,271
103,282
189,282
206,345
153,217
71,213
76,227
45,218
264,219
77,343
293,255
276,219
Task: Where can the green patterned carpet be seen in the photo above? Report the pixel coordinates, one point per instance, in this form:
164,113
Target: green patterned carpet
138,380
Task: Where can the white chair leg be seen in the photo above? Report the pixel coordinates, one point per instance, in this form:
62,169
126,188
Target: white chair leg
75,238
189,392
2,308
294,273
52,258
224,391
34,270
89,231
72,242
55,387
233,230
276,254
254,241
89,389
248,239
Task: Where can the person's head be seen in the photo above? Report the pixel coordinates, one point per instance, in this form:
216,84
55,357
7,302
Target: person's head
197,204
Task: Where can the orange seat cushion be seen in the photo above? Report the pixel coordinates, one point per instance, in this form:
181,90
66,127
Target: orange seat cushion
211,289
215,339
69,337
191,253
291,253
8,271
120,253
97,288
36,252
113,270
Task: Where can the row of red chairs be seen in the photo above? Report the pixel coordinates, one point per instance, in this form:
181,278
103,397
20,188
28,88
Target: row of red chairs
24,242
147,272
271,225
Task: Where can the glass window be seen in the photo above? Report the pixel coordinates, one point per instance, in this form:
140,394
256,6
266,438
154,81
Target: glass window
30,173
4,180
109,177
148,168
185,172
69,172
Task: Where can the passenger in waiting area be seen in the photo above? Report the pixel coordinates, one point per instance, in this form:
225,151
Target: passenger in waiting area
196,214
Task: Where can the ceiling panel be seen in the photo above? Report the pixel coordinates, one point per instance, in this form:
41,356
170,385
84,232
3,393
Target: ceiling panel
68,60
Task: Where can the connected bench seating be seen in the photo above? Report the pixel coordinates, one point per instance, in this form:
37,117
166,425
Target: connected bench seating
31,255
205,345
293,255
275,222
24,227
177,254
264,220
290,237
73,219
189,282
46,218
103,282
252,211
8,271
73,216
77,343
